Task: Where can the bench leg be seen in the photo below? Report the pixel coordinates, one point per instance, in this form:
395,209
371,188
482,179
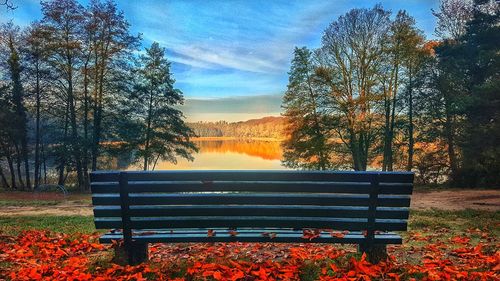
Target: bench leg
135,253
375,253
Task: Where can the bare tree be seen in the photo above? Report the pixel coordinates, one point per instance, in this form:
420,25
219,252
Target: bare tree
452,18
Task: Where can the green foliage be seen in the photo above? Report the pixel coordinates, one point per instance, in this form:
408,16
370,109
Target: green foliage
308,144
13,225
162,132
471,90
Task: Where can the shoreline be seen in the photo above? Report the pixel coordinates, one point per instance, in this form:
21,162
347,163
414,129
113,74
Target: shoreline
236,138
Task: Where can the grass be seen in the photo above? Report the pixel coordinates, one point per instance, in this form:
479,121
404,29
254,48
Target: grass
10,225
455,221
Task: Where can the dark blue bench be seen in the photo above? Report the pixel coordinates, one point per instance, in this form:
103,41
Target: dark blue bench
184,206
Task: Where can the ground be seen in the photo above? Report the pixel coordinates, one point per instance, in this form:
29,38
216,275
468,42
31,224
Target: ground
453,235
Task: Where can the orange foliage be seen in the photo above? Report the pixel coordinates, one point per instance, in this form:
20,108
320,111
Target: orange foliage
268,150
39,255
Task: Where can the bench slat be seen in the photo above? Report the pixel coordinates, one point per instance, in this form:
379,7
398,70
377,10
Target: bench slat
262,186
252,210
263,199
249,175
253,236
253,221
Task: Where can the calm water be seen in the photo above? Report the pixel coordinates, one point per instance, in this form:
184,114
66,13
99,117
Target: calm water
230,155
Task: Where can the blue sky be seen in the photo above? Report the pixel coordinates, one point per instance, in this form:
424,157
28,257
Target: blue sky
231,48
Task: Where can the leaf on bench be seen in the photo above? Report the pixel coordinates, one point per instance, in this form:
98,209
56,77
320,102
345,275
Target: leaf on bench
233,233
211,233
311,234
337,234
271,235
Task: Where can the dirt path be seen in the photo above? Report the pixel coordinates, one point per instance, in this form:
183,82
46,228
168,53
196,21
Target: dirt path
457,200
26,204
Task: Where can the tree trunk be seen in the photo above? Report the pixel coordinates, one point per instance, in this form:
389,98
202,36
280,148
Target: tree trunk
44,161
390,160
11,168
387,107
18,165
450,139
37,128
74,128
86,142
5,184
62,164
148,131
409,165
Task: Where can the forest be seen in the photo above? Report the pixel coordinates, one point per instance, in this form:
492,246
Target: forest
75,88
378,94
266,127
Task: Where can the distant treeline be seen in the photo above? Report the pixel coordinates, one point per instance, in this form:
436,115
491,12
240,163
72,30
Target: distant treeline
267,127
377,92
76,89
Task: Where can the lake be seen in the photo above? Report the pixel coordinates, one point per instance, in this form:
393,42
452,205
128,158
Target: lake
229,154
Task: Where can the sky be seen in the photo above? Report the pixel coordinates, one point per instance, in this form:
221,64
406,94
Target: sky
227,54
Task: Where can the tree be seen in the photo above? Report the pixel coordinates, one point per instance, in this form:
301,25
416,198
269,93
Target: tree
162,131
109,43
308,144
478,55
401,53
36,50
63,19
351,55
452,18
19,132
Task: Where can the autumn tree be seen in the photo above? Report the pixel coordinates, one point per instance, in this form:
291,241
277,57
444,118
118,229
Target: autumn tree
401,53
162,133
308,144
351,55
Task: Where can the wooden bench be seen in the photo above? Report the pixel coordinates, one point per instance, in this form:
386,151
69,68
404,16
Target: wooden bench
184,206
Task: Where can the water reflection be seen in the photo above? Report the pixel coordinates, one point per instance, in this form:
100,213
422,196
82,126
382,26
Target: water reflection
229,155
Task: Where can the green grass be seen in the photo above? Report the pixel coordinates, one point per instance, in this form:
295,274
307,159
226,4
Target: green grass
455,222
66,224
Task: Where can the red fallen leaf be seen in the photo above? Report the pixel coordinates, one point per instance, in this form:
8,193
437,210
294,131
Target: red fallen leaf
395,276
271,235
237,275
337,234
334,267
261,273
460,240
311,233
211,233
233,233
217,275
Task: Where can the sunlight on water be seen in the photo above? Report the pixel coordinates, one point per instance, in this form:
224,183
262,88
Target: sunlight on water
230,155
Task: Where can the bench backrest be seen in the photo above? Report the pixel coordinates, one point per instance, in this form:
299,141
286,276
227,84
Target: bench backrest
372,201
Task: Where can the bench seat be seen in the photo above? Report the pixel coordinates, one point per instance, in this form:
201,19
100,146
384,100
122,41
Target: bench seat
183,235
